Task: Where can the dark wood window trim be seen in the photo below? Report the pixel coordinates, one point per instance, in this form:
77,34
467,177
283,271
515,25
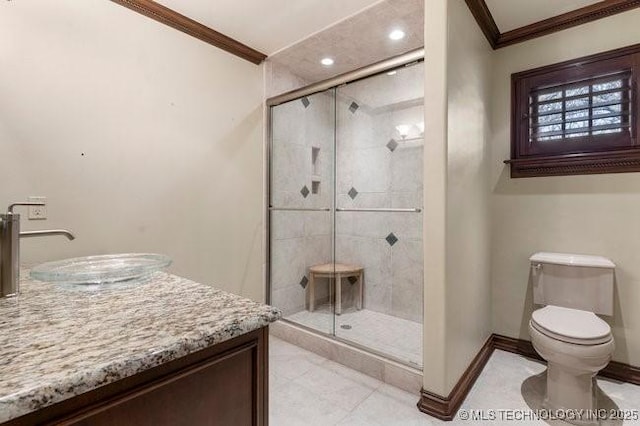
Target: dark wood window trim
612,153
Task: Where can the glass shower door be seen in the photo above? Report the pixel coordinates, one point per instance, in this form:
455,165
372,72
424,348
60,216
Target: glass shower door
301,213
345,216
378,224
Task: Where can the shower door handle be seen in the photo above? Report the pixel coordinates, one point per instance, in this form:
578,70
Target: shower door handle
298,209
416,210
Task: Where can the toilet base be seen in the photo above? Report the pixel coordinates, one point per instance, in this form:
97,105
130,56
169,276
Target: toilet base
571,371
572,394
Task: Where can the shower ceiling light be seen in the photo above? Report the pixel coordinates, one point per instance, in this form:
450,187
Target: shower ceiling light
403,130
327,62
396,35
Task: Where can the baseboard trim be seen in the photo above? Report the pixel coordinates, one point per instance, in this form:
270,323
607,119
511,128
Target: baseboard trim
446,408
516,346
615,370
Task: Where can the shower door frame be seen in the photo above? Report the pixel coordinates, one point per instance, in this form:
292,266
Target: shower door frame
405,59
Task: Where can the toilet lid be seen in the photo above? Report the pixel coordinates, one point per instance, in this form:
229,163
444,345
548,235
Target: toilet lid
571,325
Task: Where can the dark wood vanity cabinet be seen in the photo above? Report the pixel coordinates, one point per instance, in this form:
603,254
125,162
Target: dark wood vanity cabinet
223,385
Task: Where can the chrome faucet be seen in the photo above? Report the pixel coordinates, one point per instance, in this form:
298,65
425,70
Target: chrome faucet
10,247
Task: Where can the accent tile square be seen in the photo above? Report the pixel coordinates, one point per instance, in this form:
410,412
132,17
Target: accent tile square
353,193
304,281
353,107
304,191
305,101
392,145
391,239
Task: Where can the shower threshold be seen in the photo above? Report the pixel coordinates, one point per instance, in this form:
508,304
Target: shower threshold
350,354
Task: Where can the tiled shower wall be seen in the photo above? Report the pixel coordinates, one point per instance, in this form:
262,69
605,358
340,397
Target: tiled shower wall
302,177
376,168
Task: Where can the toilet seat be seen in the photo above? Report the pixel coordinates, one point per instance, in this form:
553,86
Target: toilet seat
571,325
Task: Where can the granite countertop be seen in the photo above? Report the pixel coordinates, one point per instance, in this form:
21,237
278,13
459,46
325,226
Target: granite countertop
57,342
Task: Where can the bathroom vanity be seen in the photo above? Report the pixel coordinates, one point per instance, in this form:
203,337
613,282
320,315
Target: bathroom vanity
168,351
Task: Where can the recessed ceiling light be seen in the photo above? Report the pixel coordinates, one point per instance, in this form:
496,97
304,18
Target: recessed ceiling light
327,62
396,35
392,72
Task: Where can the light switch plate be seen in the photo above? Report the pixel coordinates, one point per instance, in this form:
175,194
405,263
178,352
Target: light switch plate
38,212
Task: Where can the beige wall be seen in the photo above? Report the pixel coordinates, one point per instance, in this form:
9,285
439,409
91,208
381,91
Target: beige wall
141,137
580,214
457,249
468,316
434,196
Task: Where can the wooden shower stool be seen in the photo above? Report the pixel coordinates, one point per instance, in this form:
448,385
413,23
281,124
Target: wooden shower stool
337,271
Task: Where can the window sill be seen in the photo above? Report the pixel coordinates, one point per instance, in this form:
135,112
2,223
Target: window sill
576,164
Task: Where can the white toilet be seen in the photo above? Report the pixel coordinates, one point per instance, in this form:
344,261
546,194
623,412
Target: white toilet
566,332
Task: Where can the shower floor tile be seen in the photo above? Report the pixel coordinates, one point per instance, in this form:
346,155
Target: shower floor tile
395,337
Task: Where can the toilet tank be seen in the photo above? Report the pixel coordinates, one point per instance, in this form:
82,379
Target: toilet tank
573,281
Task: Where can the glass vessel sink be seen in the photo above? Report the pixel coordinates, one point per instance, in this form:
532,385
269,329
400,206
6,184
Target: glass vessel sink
104,269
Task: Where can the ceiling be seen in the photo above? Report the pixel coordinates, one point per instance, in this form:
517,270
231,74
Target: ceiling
356,42
512,14
268,26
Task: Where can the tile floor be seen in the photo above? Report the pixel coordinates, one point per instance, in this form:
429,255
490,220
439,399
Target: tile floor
392,336
306,389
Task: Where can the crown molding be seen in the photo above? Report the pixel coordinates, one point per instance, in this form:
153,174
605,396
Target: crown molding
484,18
586,14
169,17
